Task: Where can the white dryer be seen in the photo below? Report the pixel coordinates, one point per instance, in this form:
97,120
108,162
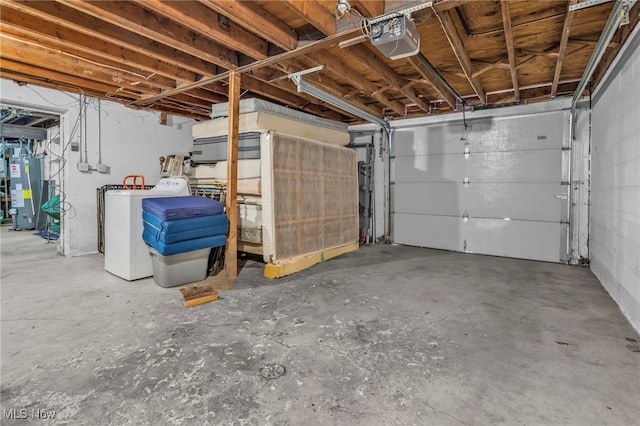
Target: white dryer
125,253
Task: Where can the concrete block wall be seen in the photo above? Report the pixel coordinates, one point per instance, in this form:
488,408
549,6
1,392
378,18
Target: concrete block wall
615,181
127,140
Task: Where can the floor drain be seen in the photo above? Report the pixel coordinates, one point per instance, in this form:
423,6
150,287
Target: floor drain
272,371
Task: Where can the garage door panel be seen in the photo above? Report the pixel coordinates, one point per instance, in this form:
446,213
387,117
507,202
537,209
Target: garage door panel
429,168
488,200
531,201
544,131
441,199
520,239
521,166
433,140
514,166
441,232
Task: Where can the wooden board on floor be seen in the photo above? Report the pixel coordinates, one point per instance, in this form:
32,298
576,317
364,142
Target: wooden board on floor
293,265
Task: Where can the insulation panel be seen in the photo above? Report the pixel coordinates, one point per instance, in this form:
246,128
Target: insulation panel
309,196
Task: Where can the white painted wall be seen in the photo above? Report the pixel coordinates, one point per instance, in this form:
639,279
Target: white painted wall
127,140
615,181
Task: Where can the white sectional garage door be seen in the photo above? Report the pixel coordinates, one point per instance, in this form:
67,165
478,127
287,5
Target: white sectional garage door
506,196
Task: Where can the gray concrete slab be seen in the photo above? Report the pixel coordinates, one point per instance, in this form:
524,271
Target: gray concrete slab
385,335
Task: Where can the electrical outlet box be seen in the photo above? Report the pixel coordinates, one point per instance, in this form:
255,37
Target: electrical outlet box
102,168
83,167
75,146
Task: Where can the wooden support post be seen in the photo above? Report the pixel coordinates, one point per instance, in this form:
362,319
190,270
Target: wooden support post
231,254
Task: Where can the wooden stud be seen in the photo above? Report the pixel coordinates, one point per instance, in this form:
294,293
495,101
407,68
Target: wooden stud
563,47
231,253
508,36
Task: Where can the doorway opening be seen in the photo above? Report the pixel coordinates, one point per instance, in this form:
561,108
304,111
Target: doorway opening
30,171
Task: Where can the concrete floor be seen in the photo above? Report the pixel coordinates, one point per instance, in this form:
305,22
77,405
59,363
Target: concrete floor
386,335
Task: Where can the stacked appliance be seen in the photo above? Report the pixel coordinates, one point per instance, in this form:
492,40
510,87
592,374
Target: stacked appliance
180,233
125,253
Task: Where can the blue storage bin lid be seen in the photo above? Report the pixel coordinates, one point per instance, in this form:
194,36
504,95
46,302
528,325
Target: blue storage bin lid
172,208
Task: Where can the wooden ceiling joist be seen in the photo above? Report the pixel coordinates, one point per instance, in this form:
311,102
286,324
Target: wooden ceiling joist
203,20
257,20
96,28
433,80
563,47
177,55
461,53
47,59
59,37
131,17
44,75
398,82
323,20
508,36
320,44
356,80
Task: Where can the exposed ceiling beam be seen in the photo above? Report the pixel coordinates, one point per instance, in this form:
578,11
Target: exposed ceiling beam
207,95
203,20
317,45
48,59
58,36
323,20
68,52
369,8
54,78
508,36
367,56
356,79
460,51
130,17
563,47
433,80
96,28
314,13
255,19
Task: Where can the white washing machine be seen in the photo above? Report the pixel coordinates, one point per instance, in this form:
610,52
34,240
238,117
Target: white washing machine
125,253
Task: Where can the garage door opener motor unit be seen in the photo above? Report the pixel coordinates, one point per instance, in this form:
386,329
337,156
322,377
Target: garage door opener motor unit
396,37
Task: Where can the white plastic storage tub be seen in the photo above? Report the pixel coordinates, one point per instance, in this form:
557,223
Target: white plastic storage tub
178,269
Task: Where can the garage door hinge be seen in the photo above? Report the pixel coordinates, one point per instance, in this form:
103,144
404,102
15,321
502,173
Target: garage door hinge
467,152
465,182
465,217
